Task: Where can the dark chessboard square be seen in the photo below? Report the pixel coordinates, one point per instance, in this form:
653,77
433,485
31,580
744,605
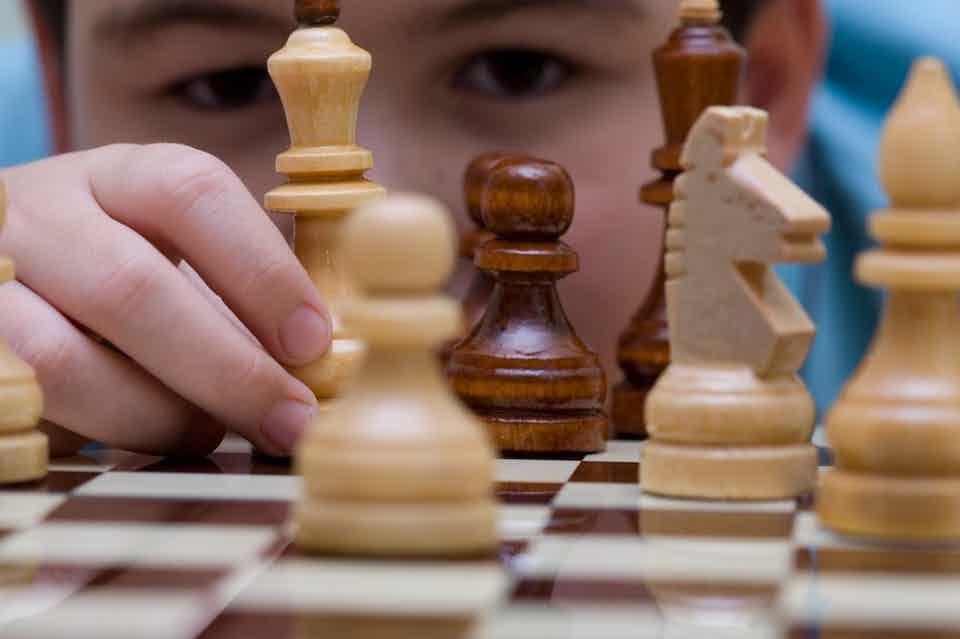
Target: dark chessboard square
56,482
223,463
581,591
526,492
275,625
159,511
251,625
145,578
607,472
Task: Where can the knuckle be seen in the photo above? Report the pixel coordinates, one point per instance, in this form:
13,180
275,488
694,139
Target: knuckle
268,275
249,372
184,178
128,285
48,352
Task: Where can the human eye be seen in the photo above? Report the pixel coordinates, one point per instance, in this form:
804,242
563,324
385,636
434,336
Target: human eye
231,89
514,73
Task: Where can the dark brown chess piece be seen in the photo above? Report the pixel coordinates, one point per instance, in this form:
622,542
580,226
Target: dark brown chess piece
523,369
481,284
699,66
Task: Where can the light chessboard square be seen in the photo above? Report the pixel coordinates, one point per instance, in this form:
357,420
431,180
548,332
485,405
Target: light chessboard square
598,495
22,510
117,614
522,521
193,486
875,601
618,451
391,588
659,559
180,546
540,471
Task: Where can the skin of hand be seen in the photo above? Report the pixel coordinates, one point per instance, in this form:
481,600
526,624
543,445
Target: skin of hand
567,81
102,240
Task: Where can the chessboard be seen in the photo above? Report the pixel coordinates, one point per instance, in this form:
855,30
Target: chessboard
115,544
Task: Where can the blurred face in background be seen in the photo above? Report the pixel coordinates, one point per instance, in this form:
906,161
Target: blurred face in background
567,80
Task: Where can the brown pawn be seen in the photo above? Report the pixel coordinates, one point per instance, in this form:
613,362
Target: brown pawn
474,179
523,369
699,66
481,283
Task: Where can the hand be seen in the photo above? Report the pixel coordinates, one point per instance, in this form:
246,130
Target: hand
97,237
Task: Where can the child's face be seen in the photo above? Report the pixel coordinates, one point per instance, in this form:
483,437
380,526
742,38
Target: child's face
568,80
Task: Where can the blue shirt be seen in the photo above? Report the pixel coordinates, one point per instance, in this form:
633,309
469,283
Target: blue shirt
870,56
23,116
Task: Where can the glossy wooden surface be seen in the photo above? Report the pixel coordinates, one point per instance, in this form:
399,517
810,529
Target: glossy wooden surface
523,369
730,418
699,66
896,427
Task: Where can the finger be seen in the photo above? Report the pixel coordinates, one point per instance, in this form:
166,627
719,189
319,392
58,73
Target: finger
178,196
108,278
215,300
77,376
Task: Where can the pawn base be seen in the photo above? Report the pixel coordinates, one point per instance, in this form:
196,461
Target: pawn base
543,435
890,508
736,473
23,457
436,529
629,403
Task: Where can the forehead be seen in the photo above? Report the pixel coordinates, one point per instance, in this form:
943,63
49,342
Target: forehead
279,13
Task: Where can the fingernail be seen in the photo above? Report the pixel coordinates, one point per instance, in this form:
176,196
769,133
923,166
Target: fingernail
305,335
286,423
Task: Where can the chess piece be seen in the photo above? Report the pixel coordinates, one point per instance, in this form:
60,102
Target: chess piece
23,449
321,75
698,67
481,284
523,369
896,427
730,418
400,466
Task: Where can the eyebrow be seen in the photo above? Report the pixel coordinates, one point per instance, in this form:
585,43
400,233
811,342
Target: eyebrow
474,11
151,16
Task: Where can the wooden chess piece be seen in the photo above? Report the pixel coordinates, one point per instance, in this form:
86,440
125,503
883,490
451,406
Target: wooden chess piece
400,467
730,418
481,284
523,369
698,67
24,451
320,75
896,427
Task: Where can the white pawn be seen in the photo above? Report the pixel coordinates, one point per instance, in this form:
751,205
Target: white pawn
401,467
